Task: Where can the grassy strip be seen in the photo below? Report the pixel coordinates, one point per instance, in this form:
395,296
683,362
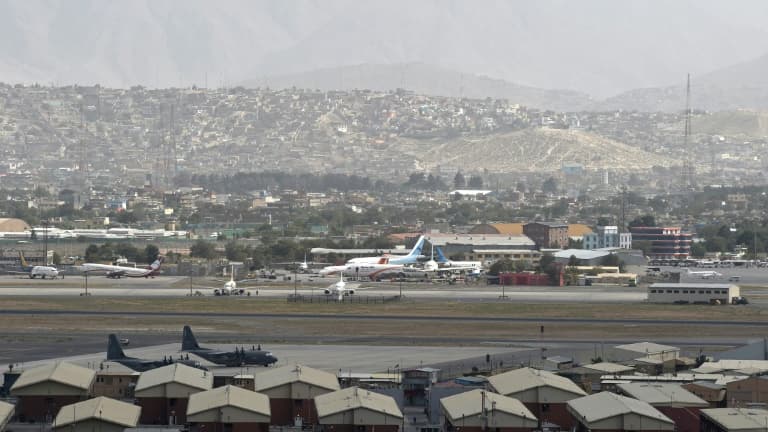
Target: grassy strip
441,308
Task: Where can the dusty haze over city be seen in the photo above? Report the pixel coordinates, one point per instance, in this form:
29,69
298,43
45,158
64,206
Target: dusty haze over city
599,48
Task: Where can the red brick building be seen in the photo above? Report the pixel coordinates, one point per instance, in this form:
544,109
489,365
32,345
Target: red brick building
228,408
163,393
291,391
357,410
481,410
547,234
543,393
42,391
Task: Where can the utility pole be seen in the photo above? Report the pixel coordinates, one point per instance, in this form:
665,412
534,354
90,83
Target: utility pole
688,170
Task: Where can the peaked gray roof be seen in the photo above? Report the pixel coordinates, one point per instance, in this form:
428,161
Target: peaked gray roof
605,405
101,409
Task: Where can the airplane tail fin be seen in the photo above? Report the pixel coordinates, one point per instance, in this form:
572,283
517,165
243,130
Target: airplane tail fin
114,351
23,260
417,248
157,263
188,341
440,256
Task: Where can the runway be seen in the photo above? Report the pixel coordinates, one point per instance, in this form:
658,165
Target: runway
177,287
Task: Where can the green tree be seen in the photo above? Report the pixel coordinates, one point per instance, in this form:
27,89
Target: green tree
459,182
501,266
475,182
603,221
549,186
643,221
92,253
549,266
698,250
203,249
151,252
612,260
235,252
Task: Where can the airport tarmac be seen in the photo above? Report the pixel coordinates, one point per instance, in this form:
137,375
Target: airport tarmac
757,276
174,287
331,358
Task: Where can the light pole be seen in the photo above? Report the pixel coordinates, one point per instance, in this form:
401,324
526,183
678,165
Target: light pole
295,284
190,284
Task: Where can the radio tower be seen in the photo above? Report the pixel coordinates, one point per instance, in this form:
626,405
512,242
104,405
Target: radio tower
688,171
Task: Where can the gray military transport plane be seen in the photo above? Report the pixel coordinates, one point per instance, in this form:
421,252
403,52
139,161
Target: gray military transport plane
115,354
226,358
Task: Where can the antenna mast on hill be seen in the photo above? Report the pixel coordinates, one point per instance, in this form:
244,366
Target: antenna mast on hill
688,171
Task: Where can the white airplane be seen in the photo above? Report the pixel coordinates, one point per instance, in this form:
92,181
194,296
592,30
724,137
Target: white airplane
372,271
411,258
443,263
116,272
705,274
340,288
302,266
230,286
43,272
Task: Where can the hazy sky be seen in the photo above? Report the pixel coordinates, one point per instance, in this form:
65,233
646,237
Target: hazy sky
600,47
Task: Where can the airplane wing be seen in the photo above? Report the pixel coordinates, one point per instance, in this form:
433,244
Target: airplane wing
16,272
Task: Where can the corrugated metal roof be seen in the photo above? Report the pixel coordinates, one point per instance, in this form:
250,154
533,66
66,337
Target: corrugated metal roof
509,228
6,412
470,403
738,418
479,239
604,405
648,347
582,254
296,373
609,368
100,408
178,373
353,398
662,394
733,365
62,373
527,378
228,395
